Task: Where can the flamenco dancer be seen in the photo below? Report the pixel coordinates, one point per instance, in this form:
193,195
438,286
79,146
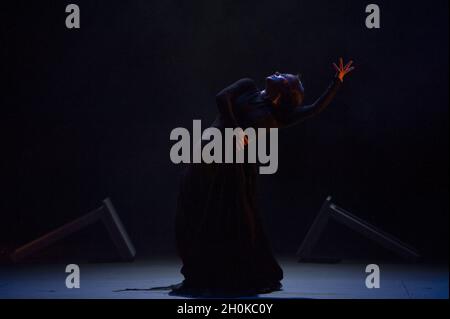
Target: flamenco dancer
219,234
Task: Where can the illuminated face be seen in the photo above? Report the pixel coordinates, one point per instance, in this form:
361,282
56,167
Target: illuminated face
277,76
286,87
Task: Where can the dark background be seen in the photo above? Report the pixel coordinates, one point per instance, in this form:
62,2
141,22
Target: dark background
87,113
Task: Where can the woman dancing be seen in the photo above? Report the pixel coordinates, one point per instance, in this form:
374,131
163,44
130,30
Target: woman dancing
219,234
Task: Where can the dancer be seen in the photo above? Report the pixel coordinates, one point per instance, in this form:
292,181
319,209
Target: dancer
219,234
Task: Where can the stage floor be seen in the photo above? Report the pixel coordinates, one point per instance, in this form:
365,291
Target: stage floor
302,281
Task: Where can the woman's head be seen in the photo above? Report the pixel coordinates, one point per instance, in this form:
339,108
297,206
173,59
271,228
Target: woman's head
284,89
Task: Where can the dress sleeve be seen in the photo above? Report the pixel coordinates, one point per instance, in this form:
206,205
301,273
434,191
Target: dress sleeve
225,99
301,113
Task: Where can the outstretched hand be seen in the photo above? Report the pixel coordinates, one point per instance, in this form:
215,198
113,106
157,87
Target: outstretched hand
342,70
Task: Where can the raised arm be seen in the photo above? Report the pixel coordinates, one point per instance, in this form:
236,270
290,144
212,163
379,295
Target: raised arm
301,113
225,99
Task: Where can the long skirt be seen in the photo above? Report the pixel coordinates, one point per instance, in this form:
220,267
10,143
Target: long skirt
219,233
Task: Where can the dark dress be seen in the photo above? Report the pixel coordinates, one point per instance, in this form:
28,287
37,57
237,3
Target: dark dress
219,233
